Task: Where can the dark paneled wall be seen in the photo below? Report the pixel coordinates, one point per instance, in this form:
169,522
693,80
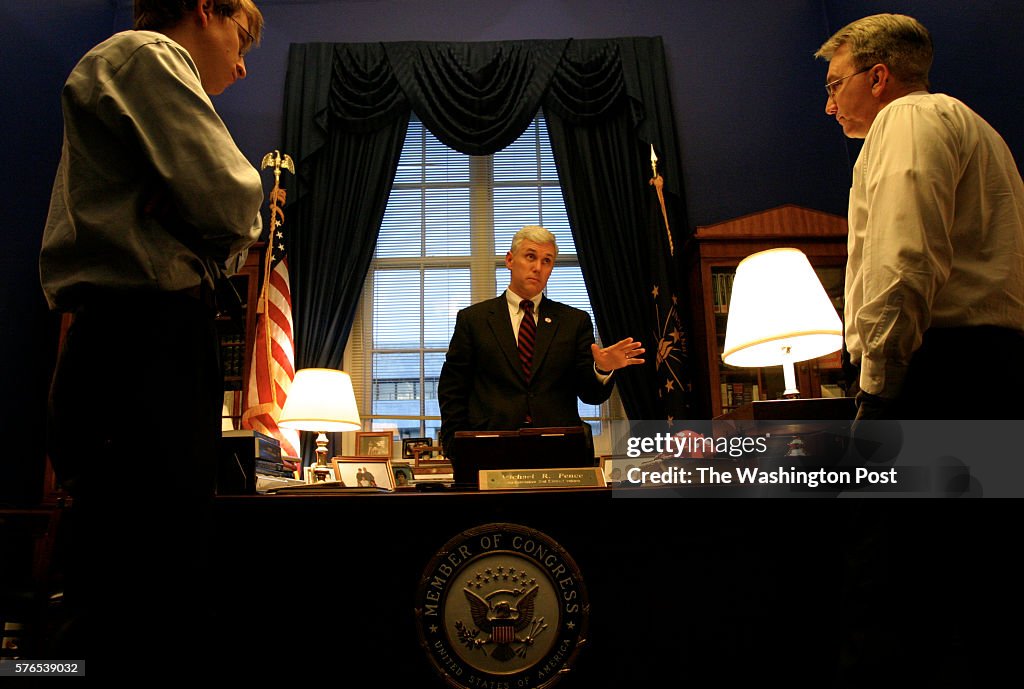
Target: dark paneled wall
39,44
747,97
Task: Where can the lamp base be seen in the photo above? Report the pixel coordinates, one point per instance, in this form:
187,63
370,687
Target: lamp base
789,374
321,474
796,447
321,471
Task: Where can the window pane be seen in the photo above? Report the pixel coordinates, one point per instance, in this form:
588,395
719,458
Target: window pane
396,384
401,228
447,222
432,362
519,160
425,159
590,411
529,157
554,218
445,291
521,205
432,428
444,164
396,309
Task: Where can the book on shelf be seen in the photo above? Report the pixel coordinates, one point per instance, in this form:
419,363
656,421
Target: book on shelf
737,394
721,291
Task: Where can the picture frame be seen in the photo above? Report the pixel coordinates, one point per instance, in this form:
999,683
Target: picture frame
374,443
307,475
614,467
404,477
409,445
432,458
364,472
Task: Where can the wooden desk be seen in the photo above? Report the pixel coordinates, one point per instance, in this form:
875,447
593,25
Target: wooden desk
824,408
821,424
325,586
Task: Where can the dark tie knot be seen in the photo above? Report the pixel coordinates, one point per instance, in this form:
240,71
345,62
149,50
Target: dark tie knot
527,305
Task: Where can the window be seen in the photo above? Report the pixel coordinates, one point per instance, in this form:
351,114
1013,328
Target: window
449,221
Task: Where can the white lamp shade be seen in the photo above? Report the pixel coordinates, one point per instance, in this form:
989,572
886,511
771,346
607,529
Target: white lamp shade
779,311
321,400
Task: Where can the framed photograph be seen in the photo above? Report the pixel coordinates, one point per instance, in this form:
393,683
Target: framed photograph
364,472
403,474
309,477
410,445
615,467
373,444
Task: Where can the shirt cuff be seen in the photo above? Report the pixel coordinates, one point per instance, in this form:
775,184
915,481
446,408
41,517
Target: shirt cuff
881,378
603,377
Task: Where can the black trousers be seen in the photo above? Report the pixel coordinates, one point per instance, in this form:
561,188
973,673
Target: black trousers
964,373
133,435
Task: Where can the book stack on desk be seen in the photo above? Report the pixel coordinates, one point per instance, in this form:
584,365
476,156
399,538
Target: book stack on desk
270,467
265,484
244,455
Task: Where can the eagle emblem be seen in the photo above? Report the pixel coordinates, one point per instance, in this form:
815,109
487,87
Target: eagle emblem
502,615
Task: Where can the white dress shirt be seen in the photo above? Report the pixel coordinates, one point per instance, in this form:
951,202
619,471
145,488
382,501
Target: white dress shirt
936,234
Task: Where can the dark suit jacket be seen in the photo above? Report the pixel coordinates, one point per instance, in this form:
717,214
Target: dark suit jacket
482,384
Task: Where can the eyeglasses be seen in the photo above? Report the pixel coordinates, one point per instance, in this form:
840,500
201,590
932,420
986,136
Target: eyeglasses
247,45
830,87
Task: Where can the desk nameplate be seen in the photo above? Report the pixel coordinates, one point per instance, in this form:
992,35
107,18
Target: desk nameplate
539,479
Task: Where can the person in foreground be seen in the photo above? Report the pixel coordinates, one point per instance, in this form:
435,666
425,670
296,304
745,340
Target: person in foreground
152,208
934,318
522,360
935,278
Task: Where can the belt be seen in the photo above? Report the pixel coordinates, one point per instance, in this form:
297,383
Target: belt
118,298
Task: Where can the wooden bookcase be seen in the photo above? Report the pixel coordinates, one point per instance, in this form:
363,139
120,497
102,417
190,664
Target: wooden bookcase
711,257
238,334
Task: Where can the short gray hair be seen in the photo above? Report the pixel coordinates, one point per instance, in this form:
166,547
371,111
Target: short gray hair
533,233
899,42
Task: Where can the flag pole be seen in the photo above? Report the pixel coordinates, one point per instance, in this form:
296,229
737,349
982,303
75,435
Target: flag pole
658,184
276,200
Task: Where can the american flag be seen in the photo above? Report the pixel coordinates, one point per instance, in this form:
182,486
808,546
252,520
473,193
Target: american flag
273,365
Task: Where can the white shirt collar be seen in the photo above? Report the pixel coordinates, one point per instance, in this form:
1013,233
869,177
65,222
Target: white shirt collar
514,300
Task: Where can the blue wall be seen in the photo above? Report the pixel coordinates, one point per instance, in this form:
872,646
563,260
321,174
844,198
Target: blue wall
747,97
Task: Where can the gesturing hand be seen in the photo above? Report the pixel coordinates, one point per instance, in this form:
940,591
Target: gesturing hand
619,355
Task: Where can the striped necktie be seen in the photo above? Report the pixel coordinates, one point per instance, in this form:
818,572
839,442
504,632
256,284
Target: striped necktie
527,336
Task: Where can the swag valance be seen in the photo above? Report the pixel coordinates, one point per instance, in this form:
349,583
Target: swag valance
477,97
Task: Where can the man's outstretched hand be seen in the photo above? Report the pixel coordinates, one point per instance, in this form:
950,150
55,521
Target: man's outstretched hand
619,355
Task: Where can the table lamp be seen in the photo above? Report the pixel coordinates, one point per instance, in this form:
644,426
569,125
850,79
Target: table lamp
321,400
779,313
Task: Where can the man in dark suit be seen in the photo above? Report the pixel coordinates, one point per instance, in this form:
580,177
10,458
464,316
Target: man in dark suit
522,360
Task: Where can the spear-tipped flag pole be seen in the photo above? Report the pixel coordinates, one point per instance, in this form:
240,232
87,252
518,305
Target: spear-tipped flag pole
659,183
671,360
276,200
273,362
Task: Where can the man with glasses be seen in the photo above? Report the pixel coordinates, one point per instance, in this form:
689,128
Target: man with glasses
152,207
935,278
